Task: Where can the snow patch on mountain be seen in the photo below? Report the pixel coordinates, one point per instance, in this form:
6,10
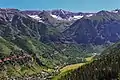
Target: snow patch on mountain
70,18
115,11
36,17
57,17
78,17
89,15
74,17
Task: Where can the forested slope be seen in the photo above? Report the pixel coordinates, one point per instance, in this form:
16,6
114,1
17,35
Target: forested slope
107,67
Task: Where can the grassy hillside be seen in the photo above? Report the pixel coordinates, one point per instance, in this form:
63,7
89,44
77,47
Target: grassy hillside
6,47
44,56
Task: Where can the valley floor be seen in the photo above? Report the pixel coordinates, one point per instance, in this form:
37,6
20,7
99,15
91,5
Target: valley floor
69,68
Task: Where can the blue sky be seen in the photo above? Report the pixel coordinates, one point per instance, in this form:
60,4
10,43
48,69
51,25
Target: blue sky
71,5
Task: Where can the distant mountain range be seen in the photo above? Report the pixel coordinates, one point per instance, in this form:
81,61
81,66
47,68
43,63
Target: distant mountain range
96,28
